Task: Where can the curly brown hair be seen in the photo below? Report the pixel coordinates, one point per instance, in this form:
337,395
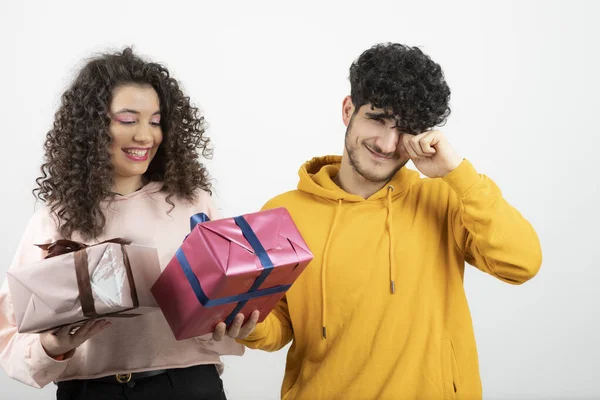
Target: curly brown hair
404,81
77,173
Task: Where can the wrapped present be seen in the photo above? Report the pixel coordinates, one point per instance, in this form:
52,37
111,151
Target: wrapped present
76,282
230,266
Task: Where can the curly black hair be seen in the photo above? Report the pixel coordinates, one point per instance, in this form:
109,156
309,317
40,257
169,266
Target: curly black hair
77,173
403,81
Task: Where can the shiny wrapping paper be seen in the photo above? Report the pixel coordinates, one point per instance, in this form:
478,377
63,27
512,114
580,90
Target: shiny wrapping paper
230,266
76,282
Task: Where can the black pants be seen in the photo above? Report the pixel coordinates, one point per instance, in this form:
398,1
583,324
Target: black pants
201,382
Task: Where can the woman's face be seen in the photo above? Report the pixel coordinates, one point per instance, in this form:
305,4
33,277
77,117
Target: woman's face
135,129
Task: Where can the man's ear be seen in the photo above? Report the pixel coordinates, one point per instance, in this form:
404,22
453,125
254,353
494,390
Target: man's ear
347,110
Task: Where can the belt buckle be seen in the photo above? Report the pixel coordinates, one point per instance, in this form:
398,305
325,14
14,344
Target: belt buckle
123,378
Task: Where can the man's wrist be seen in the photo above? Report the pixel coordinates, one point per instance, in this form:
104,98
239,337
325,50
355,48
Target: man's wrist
453,165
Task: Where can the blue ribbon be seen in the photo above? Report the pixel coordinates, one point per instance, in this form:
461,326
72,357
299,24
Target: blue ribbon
243,298
198,219
195,220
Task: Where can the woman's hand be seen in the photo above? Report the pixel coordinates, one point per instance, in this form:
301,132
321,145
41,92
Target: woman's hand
61,342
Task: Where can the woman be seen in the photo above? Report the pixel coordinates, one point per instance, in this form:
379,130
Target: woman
120,161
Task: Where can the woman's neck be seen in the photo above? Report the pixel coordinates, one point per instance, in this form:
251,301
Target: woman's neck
126,185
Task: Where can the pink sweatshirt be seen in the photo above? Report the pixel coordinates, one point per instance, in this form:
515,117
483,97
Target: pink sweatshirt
128,345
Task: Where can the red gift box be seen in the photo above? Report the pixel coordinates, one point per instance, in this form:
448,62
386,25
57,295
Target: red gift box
230,266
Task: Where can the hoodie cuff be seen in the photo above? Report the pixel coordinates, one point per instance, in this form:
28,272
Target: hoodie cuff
256,334
41,361
204,338
462,178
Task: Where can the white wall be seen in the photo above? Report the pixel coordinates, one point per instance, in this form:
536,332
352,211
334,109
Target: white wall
270,78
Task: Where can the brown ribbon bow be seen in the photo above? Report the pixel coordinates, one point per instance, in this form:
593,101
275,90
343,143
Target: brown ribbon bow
64,246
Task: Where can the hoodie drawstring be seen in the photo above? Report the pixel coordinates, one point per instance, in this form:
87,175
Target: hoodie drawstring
390,230
326,256
324,268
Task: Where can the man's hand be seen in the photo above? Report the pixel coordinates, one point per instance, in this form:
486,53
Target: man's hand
431,153
237,330
63,341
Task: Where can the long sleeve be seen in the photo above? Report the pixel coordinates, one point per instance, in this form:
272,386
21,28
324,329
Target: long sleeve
493,235
21,354
274,332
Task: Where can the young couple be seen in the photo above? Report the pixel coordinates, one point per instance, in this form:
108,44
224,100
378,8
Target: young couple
380,313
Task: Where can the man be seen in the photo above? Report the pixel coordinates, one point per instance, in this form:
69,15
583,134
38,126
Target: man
381,311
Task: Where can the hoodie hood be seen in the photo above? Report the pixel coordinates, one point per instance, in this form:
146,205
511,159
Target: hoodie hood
316,177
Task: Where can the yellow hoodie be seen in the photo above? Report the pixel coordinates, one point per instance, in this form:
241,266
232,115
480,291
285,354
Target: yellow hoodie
381,313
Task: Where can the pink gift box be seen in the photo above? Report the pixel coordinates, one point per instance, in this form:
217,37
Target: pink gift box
77,282
230,266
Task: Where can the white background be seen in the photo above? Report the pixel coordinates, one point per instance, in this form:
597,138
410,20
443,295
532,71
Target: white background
270,78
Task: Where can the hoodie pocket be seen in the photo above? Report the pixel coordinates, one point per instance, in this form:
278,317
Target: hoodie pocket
450,374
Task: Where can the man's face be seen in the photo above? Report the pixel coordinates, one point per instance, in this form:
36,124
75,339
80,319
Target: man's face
373,143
